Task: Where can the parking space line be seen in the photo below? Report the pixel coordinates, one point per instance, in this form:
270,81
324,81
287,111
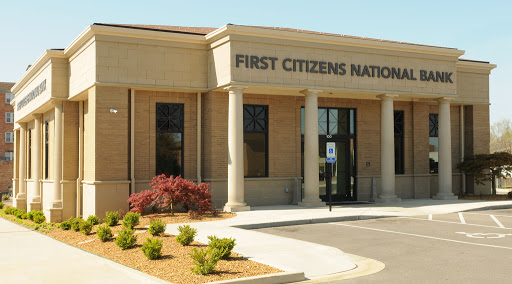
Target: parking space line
488,214
497,221
412,218
421,236
430,217
462,221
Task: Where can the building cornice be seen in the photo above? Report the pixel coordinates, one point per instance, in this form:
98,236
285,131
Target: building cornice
479,65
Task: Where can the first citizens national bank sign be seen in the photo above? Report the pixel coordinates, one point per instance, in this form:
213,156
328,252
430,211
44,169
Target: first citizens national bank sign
335,68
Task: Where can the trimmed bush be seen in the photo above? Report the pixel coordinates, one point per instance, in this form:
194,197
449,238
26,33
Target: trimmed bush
5,197
85,227
93,219
30,215
75,223
8,210
20,213
186,236
509,195
66,225
39,217
24,216
126,239
104,233
1,205
224,245
111,218
205,260
156,227
131,220
152,248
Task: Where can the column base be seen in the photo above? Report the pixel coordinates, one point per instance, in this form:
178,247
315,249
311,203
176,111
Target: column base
34,206
388,199
20,203
312,203
445,196
236,207
53,215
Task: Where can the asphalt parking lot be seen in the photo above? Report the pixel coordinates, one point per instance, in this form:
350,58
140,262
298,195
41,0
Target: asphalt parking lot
463,247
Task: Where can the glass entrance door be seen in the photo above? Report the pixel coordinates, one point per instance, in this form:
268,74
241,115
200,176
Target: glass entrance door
336,125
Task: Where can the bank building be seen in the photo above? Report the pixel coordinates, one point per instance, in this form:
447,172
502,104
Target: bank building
249,110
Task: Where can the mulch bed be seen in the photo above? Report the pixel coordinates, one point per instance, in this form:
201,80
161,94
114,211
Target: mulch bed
485,197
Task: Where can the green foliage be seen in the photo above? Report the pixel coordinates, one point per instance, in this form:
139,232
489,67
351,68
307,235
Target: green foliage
85,227
5,197
509,195
9,210
156,227
126,239
104,233
75,223
205,260
186,236
38,217
131,220
1,205
111,218
224,245
66,225
93,219
19,213
30,215
24,216
487,167
152,248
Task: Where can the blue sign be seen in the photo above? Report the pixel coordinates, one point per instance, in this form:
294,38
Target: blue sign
331,152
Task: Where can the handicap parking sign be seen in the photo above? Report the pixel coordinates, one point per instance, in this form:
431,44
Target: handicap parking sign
331,152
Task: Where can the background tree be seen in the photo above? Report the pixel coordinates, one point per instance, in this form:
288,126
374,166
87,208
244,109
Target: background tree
501,136
485,167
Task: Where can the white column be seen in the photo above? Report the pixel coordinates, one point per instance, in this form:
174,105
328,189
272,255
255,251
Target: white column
445,152
236,200
35,203
387,150
57,157
311,196
21,198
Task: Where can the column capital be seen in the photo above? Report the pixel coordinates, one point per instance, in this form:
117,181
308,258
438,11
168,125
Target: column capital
236,87
57,103
311,91
36,116
445,99
387,96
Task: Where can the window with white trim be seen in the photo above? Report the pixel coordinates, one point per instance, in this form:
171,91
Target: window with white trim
9,137
9,155
9,117
8,98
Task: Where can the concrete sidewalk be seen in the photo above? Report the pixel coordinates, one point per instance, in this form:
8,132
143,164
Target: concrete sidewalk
316,261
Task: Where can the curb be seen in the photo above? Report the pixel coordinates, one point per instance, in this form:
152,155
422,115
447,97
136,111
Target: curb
275,278
309,221
491,207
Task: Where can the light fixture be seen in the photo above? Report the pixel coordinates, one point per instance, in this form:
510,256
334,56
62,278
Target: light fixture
113,110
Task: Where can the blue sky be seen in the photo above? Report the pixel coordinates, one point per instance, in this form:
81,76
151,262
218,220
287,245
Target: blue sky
482,28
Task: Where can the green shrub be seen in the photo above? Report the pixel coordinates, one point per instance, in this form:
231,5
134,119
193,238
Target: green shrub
5,197
156,227
1,205
111,218
66,225
509,195
131,220
186,236
205,260
24,216
20,213
30,215
93,219
152,248
224,245
126,239
75,223
8,210
39,217
86,227
104,233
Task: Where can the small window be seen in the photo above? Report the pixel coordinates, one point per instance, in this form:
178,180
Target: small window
255,141
46,149
9,155
433,142
169,139
9,117
399,142
29,163
9,137
8,98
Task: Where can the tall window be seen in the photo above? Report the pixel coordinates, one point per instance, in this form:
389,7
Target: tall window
399,142
8,98
169,139
46,149
255,141
29,164
9,137
433,141
9,117
9,155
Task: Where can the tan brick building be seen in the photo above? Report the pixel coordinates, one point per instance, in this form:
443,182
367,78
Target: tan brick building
6,137
248,110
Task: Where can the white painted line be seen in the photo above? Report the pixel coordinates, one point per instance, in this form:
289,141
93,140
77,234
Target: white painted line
508,216
430,217
412,218
421,236
497,221
462,221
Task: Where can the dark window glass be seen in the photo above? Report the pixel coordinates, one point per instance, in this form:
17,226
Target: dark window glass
29,167
169,139
433,141
255,140
399,141
46,148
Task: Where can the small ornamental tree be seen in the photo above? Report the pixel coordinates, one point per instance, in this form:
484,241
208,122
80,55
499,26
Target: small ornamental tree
485,167
168,192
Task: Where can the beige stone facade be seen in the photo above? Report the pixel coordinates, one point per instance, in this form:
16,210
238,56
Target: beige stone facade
90,114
